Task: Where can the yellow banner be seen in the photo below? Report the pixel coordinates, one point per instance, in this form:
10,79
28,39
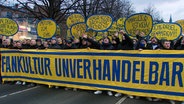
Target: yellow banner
121,23
46,28
139,22
146,73
8,27
169,31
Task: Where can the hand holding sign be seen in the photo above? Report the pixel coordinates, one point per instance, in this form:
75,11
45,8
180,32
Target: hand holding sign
46,28
8,27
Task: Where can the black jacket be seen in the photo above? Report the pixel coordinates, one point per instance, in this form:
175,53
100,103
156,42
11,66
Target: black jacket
126,44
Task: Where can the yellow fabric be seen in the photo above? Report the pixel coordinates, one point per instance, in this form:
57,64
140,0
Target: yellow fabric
148,73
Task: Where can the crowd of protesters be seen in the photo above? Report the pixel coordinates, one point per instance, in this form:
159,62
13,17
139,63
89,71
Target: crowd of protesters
126,43
115,43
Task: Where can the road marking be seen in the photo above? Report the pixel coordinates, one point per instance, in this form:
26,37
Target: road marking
18,92
3,96
24,90
121,100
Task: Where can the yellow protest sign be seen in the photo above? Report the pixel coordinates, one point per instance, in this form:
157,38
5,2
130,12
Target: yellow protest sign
78,29
73,19
169,31
113,28
101,35
46,28
90,33
68,33
181,22
8,27
121,23
99,22
139,22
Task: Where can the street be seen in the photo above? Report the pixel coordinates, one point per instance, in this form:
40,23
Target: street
41,94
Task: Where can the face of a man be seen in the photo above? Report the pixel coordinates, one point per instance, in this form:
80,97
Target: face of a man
28,41
59,40
84,42
39,43
167,44
153,40
24,42
33,42
106,40
45,44
6,42
14,44
53,41
19,45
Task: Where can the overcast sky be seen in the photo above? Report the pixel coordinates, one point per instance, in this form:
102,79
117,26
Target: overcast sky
165,7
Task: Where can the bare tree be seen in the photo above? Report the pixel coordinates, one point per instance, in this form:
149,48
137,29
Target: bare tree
117,8
154,13
54,9
88,7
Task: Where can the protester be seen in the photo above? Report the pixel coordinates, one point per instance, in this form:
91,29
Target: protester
115,40
166,44
54,44
141,44
179,45
24,44
126,43
45,45
134,43
32,44
60,43
68,44
7,43
39,44
153,44
19,45
83,42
